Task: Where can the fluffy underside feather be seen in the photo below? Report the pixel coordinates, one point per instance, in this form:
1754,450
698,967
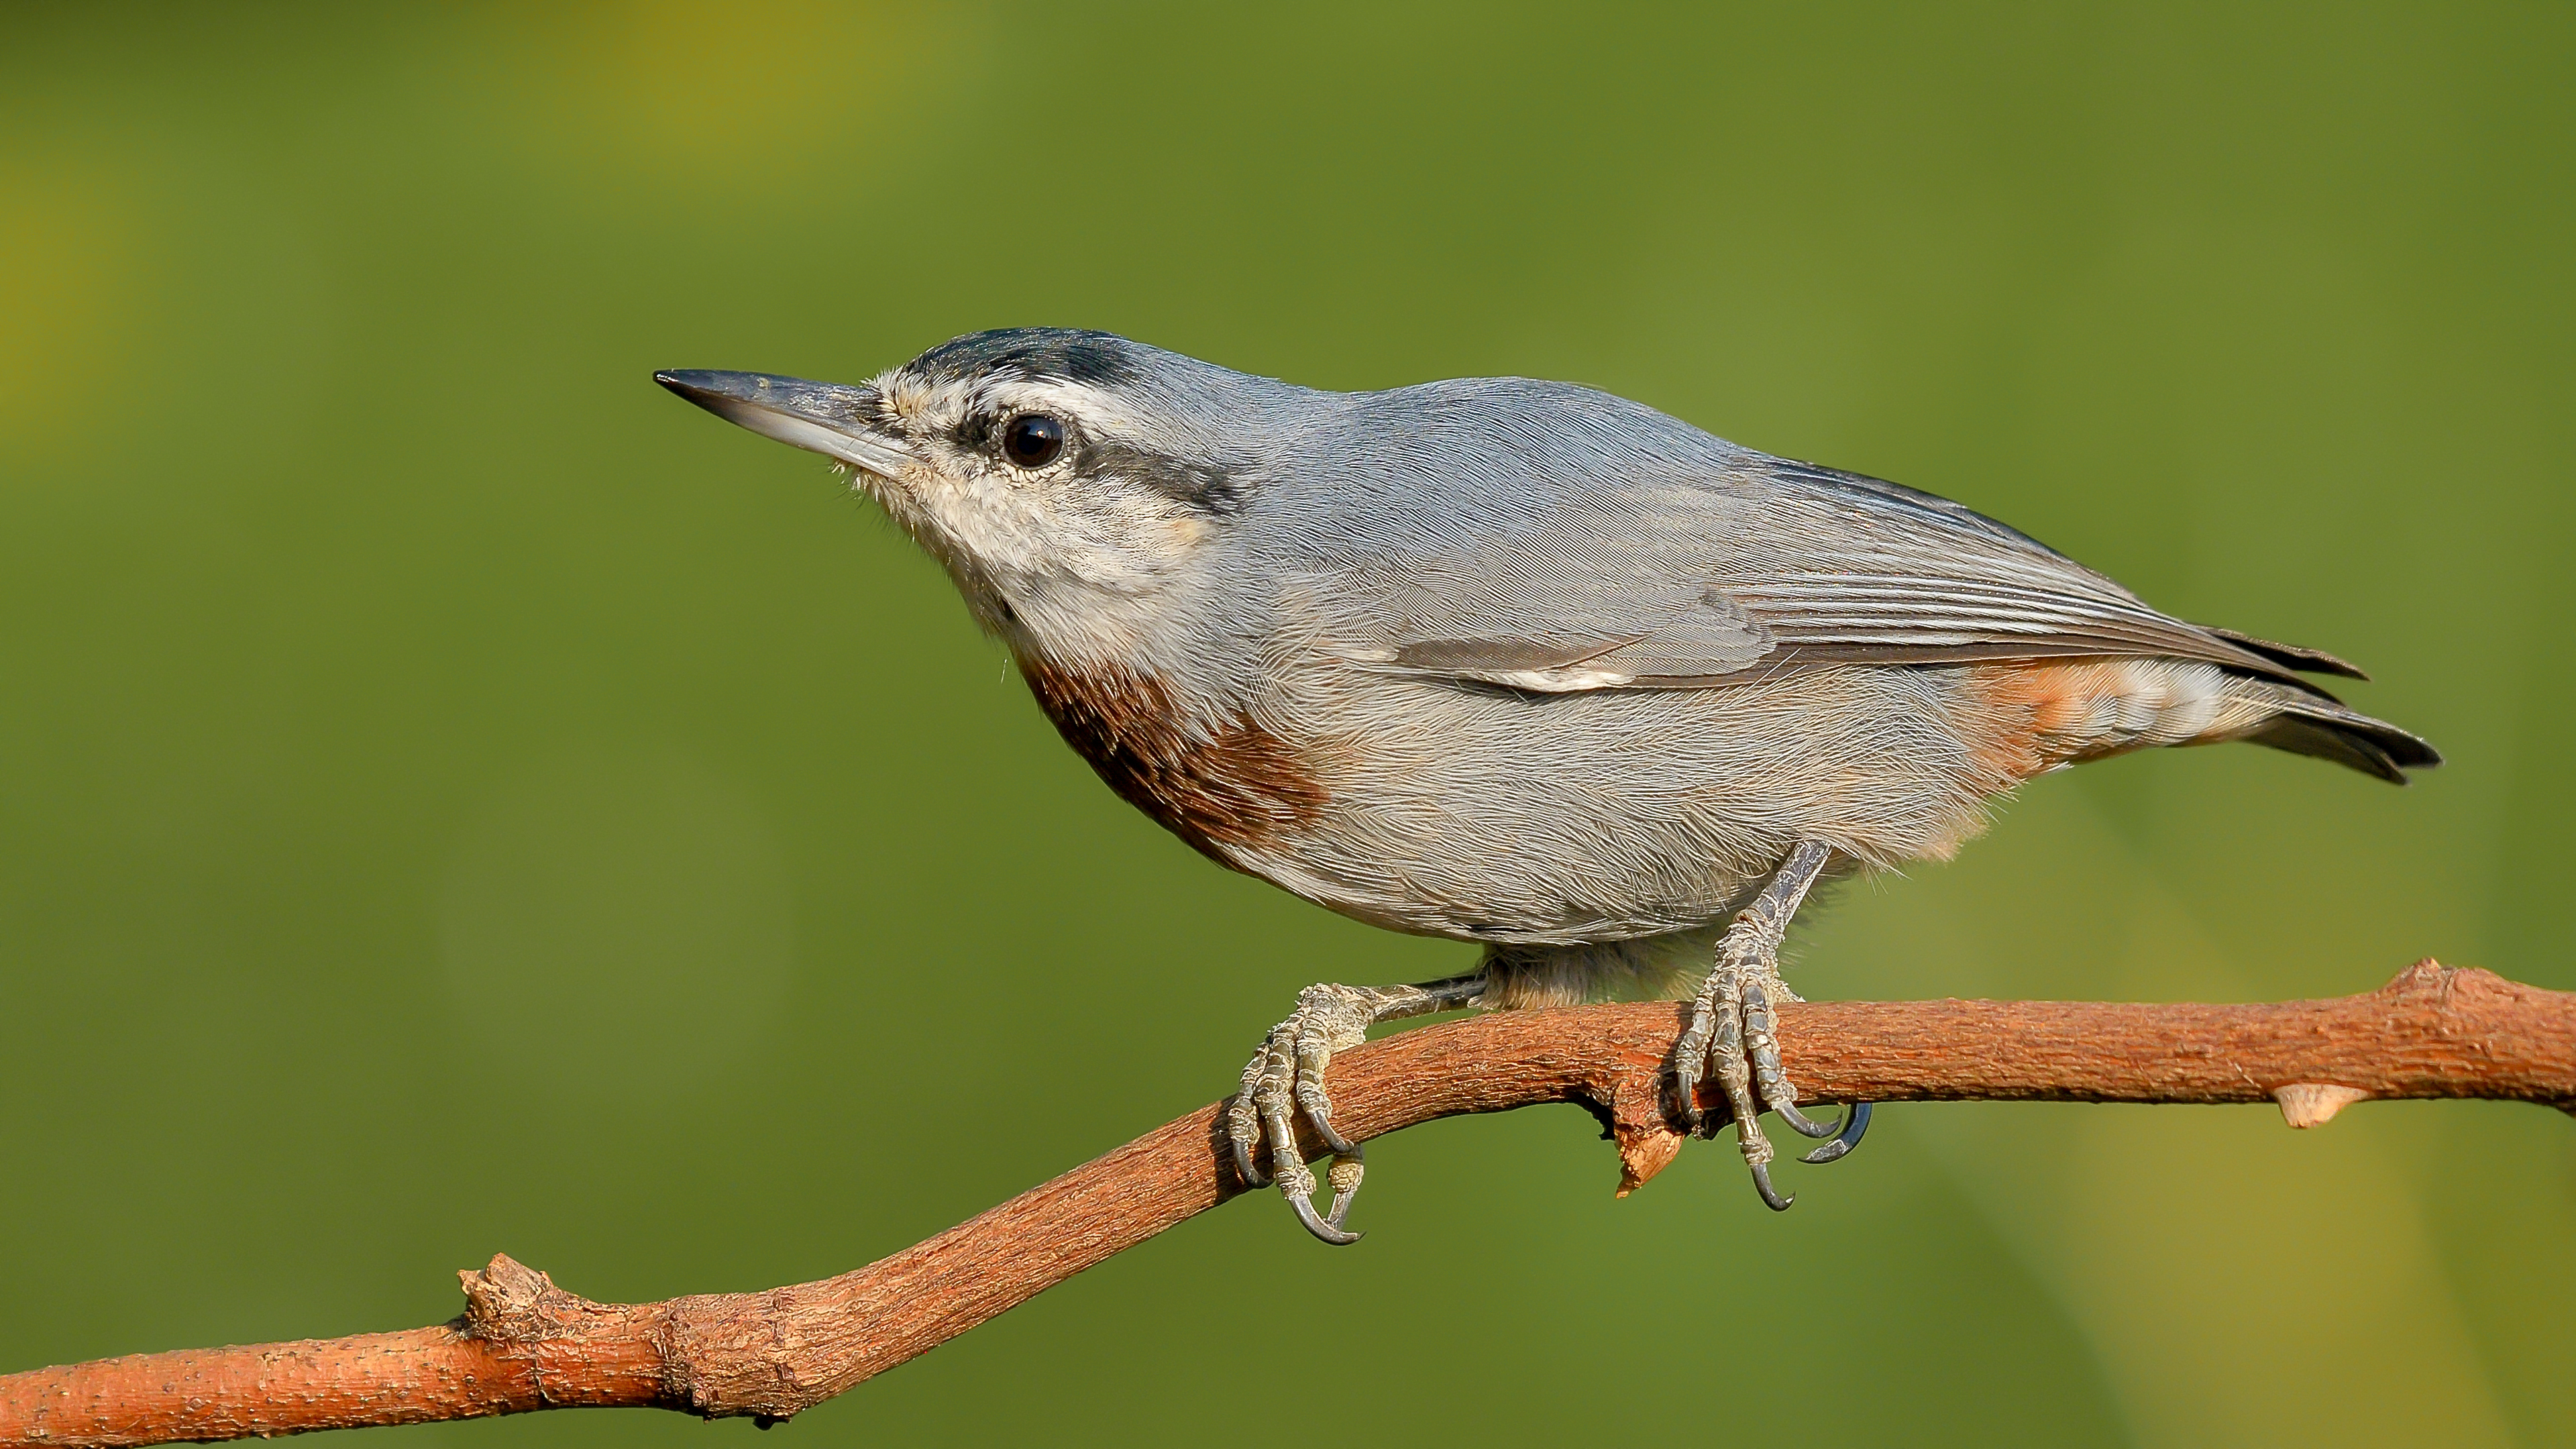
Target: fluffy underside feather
1592,840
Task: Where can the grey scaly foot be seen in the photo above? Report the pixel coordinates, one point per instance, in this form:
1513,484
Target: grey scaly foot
1287,1075
1732,1032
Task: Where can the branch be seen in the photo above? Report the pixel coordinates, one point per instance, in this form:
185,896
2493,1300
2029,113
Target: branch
524,1344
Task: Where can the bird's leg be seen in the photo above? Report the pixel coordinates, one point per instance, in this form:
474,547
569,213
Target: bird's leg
1288,1071
1732,1032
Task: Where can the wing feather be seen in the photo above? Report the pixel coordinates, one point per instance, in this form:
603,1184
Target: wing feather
1692,583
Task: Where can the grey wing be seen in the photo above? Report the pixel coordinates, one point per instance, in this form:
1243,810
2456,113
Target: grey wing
1596,602
1692,583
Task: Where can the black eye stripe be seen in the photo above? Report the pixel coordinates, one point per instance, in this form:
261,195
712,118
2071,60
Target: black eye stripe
1204,486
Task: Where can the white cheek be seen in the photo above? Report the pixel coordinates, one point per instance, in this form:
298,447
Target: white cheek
1049,534
973,522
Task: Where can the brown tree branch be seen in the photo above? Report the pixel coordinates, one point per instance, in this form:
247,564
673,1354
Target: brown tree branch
524,1344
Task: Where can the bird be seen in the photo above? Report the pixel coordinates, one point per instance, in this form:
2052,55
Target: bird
1521,663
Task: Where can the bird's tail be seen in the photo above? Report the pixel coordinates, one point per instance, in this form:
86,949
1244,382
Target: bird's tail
2035,715
2306,723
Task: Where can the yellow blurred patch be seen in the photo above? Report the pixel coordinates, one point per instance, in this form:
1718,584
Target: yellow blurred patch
751,90
70,250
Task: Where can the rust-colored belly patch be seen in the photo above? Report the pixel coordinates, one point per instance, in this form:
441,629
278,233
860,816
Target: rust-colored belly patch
1225,782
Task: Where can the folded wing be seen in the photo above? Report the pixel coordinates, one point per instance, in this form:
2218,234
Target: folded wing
1666,582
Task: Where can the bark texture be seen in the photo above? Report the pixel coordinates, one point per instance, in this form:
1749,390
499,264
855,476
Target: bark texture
524,1344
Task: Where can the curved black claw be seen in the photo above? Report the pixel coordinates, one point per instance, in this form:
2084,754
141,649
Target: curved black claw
1247,1169
1855,1122
1319,1115
1806,1126
1329,1229
1771,1196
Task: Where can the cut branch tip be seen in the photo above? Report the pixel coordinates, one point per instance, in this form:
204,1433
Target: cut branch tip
1643,1152
2313,1104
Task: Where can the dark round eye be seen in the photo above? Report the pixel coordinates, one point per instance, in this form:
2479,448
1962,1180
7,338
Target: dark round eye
1032,440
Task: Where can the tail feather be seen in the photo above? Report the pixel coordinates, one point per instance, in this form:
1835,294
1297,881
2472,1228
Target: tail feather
2307,724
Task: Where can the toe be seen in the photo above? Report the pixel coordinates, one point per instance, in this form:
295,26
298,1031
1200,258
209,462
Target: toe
1243,1123
1770,1078
1314,1053
1691,1056
1344,1178
1271,1098
1686,1090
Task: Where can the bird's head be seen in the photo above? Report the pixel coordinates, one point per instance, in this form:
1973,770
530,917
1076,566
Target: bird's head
1069,480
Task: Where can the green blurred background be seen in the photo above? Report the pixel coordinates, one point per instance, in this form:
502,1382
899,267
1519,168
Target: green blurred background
456,798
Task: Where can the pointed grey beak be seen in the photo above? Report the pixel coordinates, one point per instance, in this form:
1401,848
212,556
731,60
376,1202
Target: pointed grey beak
820,417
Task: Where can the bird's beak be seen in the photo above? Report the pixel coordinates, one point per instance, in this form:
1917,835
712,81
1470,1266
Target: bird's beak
820,417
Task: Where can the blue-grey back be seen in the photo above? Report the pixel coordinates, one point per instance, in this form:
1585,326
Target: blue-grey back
1494,527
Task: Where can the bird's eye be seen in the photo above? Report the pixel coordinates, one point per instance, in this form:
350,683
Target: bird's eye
1032,440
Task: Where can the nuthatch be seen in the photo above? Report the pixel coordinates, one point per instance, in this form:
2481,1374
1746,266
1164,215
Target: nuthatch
1518,663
